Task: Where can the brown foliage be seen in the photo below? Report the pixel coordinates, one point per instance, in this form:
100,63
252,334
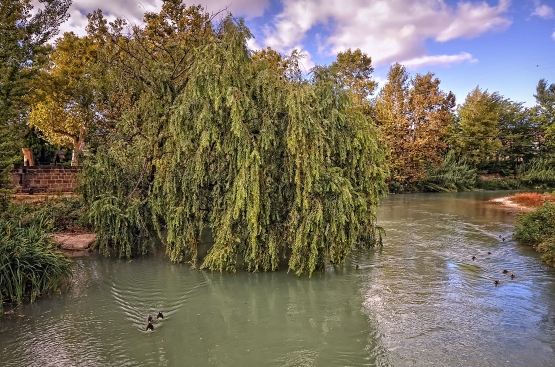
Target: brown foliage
532,199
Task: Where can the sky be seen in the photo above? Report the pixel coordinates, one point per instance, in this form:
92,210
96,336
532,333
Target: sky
503,46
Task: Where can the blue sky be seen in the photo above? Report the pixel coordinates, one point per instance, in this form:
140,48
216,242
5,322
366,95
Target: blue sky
500,45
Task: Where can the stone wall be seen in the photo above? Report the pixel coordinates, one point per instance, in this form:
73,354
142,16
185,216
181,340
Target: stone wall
37,179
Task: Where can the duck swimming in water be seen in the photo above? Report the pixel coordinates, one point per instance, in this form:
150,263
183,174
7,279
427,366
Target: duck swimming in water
496,282
150,327
160,316
505,271
357,266
512,276
149,318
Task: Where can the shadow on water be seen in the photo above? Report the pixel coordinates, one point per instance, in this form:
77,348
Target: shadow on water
420,300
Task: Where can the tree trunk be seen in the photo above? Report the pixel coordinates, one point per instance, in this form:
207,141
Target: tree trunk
28,157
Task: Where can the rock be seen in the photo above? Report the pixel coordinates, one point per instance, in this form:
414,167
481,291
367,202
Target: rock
75,241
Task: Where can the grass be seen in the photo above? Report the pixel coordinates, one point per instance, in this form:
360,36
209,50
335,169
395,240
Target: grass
31,264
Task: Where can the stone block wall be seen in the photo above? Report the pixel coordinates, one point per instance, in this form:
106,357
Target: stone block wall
50,179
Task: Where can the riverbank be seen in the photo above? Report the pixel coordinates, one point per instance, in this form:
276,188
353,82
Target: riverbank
508,201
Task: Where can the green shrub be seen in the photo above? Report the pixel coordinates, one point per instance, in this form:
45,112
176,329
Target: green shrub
498,184
537,229
538,173
453,175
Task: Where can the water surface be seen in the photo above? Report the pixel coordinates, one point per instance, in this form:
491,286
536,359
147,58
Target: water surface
418,301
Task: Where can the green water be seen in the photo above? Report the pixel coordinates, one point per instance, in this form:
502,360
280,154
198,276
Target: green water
418,301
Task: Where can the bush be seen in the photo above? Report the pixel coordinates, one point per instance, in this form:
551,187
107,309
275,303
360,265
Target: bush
453,175
537,229
538,173
498,184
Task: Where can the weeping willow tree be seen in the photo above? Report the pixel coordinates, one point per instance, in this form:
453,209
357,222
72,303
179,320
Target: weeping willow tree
279,167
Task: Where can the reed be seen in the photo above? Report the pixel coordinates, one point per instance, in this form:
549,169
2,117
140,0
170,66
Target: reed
30,263
532,199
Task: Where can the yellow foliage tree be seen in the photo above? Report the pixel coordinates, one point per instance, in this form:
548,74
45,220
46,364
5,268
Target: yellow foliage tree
66,102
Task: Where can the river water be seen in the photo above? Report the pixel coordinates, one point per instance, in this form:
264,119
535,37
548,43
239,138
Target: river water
420,300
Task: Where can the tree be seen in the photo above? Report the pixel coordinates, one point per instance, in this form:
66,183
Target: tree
354,70
69,100
544,111
23,37
415,117
519,137
277,167
479,127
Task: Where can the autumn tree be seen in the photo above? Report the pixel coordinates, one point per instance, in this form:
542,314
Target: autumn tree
415,117
354,69
277,167
69,100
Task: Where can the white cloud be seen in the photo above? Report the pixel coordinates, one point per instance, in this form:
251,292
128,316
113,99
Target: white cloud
253,45
438,60
133,10
388,31
553,36
544,11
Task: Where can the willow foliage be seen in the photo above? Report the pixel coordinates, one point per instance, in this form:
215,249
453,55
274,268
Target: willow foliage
278,167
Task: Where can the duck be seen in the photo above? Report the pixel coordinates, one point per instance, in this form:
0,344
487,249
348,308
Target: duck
505,271
496,282
512,276
473,257
160,316
149,318
150,327
357,266
489,253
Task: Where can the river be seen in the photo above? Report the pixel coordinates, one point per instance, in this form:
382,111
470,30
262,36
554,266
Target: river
420,300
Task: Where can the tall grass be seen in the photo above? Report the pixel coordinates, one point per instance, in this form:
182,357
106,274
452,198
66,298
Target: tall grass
30,264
